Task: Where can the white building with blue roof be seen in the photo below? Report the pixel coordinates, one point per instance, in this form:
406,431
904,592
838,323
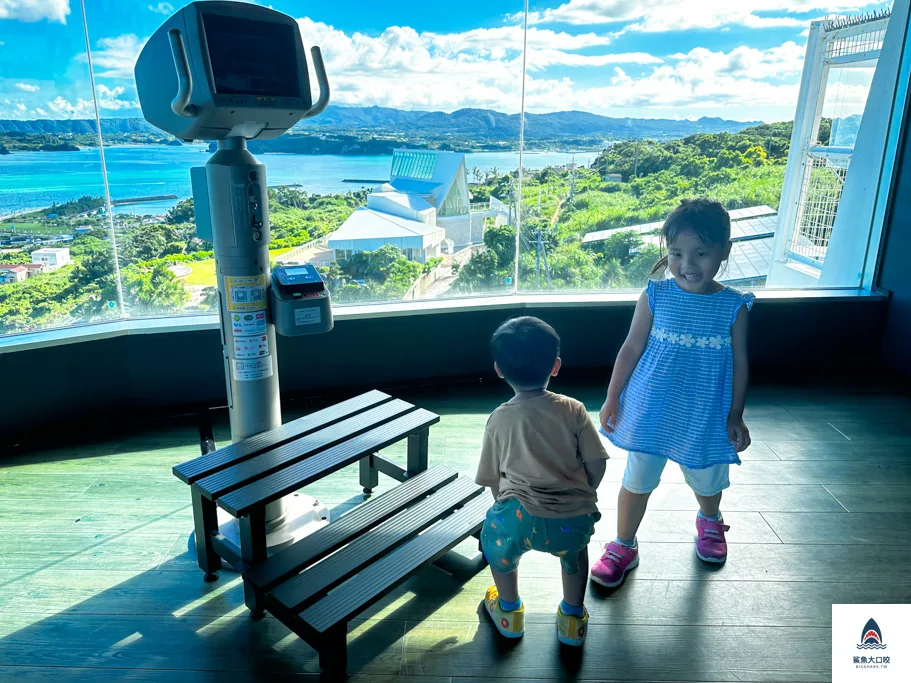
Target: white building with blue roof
425,203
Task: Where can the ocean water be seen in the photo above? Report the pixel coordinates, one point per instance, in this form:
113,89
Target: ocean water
34,180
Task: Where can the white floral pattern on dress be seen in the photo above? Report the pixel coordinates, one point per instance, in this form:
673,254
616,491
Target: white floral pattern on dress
689,340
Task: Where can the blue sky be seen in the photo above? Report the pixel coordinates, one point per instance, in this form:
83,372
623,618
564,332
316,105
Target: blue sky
739,59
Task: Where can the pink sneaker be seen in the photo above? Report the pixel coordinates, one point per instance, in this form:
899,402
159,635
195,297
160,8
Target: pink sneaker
711,546
614,564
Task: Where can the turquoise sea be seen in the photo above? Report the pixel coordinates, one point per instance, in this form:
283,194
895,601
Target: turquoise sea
34,180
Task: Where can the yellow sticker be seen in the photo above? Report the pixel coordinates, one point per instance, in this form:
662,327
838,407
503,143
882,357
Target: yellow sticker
246,293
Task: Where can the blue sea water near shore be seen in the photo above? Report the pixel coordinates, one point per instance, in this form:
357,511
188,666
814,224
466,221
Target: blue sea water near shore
34,180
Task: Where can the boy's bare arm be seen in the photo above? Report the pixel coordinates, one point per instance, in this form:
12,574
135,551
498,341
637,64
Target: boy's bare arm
594,470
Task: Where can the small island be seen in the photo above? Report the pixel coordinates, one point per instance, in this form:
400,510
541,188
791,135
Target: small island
58,147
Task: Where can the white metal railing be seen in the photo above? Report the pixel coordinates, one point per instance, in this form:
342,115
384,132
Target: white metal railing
299,252
823,182
477,207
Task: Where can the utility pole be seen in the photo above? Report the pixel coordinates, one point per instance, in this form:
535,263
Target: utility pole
539,202
636,164
572,182
538,263
546,265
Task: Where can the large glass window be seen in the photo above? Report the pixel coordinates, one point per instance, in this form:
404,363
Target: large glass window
471,150
57,244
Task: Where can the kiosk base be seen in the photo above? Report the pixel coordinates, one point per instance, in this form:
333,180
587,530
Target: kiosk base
301,515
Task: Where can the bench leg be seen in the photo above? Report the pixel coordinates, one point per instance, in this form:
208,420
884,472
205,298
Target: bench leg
253,552
370,475
205,520
418,447
333,652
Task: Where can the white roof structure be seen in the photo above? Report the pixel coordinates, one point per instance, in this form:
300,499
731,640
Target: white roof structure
408,201
368,230
752,234
738,216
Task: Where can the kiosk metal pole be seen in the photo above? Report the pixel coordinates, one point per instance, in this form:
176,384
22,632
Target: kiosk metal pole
238,207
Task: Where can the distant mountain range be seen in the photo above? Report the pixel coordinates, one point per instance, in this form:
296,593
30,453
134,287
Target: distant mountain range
481,124
488,124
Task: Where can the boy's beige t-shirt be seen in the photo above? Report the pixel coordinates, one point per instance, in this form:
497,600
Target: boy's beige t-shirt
533,450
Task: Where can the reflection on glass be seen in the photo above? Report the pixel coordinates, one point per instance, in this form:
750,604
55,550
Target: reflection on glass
845,98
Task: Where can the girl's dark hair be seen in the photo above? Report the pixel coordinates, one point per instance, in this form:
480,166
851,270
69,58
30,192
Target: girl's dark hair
705,217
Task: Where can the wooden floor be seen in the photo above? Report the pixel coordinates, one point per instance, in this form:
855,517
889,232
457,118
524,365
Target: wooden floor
96,583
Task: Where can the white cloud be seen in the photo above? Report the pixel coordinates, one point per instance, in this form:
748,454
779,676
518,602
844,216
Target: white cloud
35,10
482,68
109,99
20,107
678,15
27,87
165,8
40,111
116,56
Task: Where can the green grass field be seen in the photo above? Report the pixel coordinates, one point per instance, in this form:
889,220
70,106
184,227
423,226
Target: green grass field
203,274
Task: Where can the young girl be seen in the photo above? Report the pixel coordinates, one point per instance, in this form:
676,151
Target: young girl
678,386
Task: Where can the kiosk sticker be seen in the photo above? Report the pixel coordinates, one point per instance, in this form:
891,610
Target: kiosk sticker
307,316
248,324
251,347
251,370
246,293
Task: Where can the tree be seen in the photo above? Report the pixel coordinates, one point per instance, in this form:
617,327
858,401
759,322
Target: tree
483,273
501,240
183,212
147,291
15,258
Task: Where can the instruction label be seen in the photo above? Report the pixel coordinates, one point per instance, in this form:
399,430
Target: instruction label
246,293
251,347
248,324
253,369
307,316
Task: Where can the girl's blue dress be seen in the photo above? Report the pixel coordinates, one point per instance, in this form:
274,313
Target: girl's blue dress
677,400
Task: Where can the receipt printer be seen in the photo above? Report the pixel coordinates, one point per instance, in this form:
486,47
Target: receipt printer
300,301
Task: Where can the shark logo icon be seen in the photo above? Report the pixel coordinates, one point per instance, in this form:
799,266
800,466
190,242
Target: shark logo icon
872,637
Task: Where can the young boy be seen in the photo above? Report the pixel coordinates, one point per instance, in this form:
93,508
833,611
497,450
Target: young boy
543,460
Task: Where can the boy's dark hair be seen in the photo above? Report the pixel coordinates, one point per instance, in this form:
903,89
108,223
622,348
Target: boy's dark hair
705,217
525,349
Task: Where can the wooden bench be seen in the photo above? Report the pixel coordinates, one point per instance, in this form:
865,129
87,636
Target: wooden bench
317,585
246,476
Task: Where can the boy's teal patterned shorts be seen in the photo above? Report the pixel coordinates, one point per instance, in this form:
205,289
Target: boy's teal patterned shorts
510,531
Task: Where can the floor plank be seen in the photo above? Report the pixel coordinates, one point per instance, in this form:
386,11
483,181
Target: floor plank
860,498
863,528
787,498
691,654
862,451
228,643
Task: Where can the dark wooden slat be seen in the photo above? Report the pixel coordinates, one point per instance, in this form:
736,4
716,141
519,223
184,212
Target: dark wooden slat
328,539
195,469
300,474
361,590
261,465
297,592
